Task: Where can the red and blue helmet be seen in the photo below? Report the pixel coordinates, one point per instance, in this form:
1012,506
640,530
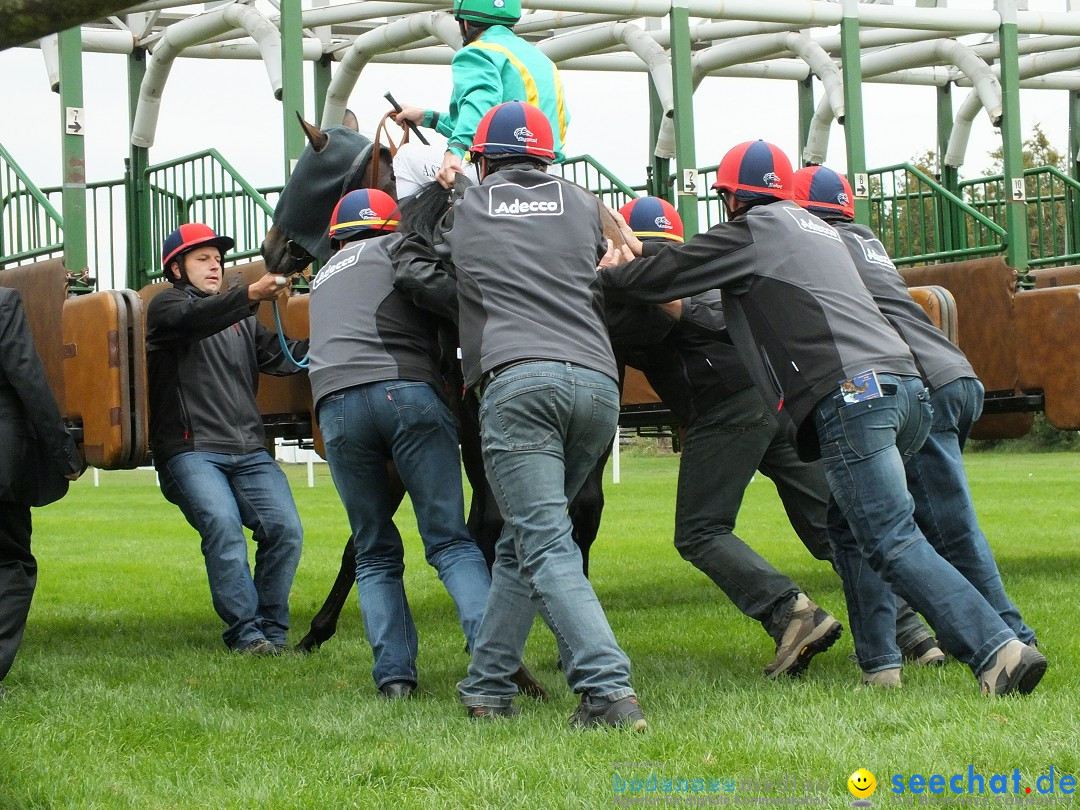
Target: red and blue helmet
188,237
823,191
755,170
366,209
514,128
653,218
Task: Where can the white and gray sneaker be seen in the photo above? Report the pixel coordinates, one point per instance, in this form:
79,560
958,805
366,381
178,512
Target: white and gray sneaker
1016,667
810,630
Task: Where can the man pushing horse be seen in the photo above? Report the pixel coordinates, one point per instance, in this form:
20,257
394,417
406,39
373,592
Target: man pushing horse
494,65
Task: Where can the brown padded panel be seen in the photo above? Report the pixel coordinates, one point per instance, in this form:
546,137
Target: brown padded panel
140,419
95,378
43,288
636,389
1056,276
1048,328
983,289
1003,426
939,304
298,325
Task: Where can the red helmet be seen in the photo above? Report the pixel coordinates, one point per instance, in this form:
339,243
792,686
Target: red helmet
755,170
188,237
366,209
653,218
823,191
514,128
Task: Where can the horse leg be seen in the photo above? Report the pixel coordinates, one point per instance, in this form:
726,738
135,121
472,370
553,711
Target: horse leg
586,508
324,625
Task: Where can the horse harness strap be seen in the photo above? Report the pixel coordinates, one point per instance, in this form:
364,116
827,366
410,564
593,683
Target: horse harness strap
381,132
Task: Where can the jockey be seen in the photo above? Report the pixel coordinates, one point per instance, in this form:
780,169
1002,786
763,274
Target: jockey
494,65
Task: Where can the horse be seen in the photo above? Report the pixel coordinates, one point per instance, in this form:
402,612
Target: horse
334,162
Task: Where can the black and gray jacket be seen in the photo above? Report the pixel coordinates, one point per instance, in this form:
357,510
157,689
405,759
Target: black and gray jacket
362,329
939,361
517,259
798,314
692,364
204,353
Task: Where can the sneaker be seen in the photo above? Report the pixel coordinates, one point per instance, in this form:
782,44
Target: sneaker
259,647
811,630
492,712
622,713
926,653
528,685
397,690
1014,668
884,678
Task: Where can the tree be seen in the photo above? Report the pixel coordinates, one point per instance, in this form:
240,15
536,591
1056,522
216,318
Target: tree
22,21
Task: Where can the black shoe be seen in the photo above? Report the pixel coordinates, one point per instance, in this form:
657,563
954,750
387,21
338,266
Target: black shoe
397,690
492,712
528,685
259,647
926,653
622,713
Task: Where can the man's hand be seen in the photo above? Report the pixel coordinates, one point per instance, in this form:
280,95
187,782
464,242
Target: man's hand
450,169
673,309
627,234
414,114
615,256
268,288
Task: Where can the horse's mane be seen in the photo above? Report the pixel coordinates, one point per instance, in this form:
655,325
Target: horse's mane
420,213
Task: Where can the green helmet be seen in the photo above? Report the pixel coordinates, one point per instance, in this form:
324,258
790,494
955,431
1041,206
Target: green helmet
489,12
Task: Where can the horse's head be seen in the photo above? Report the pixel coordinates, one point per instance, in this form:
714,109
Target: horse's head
334,162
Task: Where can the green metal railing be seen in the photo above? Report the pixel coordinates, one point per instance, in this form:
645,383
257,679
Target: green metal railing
1053,204
586,171
204,187
105,218
31,229
920,221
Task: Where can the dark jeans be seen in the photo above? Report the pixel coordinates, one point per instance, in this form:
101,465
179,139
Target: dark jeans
18,577
724,447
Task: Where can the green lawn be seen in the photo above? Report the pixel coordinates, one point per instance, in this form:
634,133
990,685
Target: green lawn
124,696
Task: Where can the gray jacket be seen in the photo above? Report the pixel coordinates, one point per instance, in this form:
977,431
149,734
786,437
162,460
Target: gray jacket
939,361
518,252
362,329
796,310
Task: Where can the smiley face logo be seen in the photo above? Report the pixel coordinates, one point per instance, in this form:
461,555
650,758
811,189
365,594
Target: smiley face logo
861,783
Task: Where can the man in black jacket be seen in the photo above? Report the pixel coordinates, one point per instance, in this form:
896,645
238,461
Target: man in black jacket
33,434
205,350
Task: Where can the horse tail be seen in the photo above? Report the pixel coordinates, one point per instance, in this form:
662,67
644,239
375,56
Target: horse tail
420,212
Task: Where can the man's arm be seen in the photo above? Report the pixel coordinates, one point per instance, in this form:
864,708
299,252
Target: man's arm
25,372
176,317
716,258
426,278
271,358
636,325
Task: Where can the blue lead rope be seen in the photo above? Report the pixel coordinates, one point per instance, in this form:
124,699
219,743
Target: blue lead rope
303,361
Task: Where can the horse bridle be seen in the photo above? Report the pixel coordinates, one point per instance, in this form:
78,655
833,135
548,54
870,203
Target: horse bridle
298,255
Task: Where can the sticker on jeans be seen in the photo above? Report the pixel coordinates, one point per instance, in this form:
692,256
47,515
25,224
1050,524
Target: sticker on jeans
860,387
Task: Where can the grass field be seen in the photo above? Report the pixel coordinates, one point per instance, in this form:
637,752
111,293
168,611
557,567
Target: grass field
123,695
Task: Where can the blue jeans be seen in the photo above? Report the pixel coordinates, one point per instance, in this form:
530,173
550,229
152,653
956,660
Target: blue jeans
543,425
219,495
364,428
943,507
864,447
723,449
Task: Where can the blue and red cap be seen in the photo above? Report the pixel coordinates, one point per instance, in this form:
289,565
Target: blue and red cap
823,191
366,209
653,218
514,128
755,170
188,237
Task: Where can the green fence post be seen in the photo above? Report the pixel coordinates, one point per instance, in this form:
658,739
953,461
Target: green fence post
72,119
948,216
854,138
1012,146
320,85
1074,170
682,79
292,80
660,168
140,247
806,115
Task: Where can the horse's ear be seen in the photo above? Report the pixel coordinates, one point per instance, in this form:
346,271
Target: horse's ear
350,121
316,137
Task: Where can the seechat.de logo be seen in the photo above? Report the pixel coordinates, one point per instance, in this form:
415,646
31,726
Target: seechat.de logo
862,784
